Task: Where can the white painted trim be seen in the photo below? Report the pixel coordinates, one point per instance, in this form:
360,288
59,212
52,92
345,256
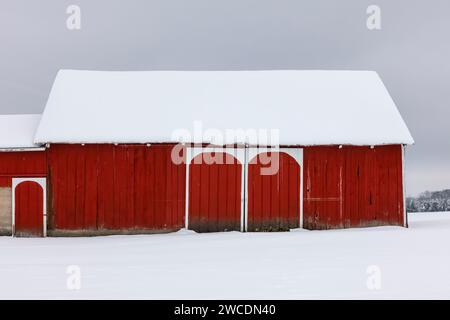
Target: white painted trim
236,152
247,159
405,214
186,213
300,162
293,152
244,192
43,184
296,153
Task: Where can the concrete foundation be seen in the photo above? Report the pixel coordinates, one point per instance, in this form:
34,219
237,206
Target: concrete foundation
5,211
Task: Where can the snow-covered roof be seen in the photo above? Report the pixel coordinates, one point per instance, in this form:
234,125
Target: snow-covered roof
309,107
17,131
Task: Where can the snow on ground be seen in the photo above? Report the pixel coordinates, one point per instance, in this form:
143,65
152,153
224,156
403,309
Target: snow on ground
413,263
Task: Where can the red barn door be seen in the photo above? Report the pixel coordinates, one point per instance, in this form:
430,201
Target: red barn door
215,191
28,209
274,191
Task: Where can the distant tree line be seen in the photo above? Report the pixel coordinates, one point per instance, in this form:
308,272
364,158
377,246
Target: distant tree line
429,201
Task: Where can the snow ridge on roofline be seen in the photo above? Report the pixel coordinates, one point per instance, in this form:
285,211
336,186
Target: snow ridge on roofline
17,131
308,107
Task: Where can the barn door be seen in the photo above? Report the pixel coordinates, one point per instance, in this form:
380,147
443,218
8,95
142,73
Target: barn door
215,192
28,199
274,189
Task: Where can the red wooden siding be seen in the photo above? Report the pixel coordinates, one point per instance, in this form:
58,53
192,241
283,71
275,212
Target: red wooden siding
29,209
273,200
215,194
21,164
352,186
101,187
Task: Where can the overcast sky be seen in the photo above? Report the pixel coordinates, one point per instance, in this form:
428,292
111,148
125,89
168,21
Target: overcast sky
411,52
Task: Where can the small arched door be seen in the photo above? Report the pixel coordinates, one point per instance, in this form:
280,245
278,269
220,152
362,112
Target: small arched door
215,192
274,192
28,209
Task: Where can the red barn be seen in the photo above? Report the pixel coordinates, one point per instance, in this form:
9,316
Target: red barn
23,171
135,152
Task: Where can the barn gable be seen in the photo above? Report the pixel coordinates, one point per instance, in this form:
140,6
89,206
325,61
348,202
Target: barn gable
307,107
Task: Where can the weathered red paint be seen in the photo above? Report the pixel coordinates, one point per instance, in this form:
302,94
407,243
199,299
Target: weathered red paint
21,164
273,200
29,209
135,187
352,186
214,193
115,187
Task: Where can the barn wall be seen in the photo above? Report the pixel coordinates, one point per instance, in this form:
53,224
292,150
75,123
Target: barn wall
115,187
21,164
135,187
16,164
352,187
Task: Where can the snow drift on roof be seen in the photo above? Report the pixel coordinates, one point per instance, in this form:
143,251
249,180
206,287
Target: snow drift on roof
17,130
308,107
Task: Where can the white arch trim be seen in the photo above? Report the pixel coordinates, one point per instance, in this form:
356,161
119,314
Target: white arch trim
238,152
43,184
296,153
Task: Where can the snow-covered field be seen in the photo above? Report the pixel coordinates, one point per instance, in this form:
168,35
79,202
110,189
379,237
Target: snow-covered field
373,263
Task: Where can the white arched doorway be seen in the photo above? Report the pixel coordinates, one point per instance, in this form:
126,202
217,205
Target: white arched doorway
29,207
